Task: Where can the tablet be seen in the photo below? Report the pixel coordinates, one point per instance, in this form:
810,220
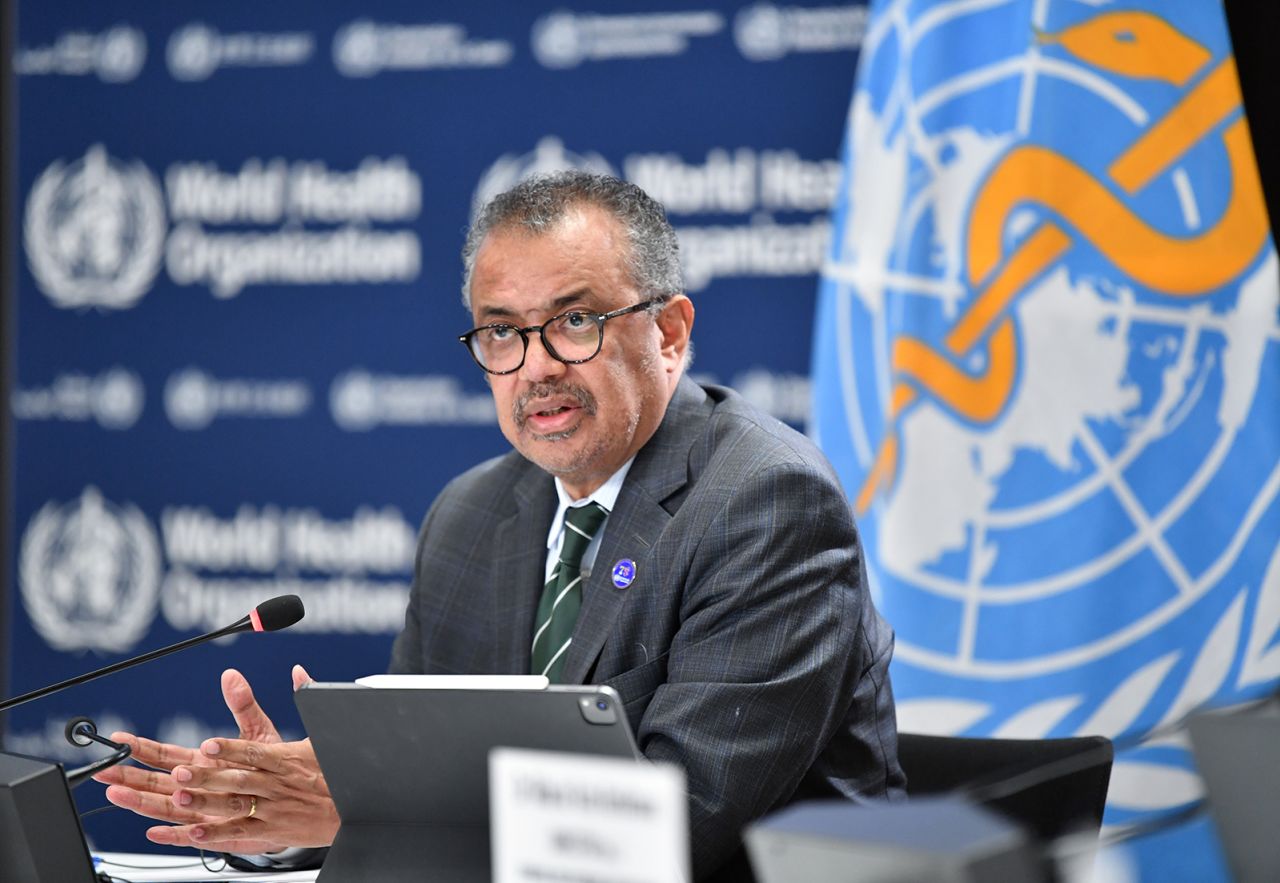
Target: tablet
408,766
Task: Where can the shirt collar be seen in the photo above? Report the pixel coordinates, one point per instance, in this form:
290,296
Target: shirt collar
606,496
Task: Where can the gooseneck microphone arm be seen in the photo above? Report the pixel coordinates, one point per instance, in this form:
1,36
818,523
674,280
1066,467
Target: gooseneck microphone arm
112,669
277,613
80,731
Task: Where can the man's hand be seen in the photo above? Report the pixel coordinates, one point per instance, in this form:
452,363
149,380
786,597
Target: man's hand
248,795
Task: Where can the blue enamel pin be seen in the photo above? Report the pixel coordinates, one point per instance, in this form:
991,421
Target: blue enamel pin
624,573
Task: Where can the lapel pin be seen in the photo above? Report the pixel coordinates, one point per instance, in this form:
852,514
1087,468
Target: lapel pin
624,573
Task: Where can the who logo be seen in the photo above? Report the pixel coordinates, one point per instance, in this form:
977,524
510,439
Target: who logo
94,231
1048,366
548,156
89,572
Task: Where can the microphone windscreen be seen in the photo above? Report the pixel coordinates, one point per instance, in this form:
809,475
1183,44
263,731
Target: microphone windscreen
278,613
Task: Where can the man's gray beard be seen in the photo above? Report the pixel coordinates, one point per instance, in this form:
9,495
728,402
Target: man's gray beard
556,436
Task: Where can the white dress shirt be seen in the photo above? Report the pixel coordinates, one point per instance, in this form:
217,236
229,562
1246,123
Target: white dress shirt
606,496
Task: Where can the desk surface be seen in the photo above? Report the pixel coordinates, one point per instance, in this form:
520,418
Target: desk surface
182,867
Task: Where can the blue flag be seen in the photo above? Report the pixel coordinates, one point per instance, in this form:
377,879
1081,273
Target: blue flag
1047,366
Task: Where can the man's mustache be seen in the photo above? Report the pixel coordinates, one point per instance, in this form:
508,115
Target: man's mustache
582,397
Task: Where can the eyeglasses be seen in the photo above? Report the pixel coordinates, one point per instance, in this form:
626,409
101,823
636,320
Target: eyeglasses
573,338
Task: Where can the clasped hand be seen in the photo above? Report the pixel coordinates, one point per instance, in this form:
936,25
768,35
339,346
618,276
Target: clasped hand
249,795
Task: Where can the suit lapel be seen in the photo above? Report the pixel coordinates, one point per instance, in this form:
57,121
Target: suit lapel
519,562
660,469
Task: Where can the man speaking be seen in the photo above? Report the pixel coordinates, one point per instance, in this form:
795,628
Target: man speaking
648,533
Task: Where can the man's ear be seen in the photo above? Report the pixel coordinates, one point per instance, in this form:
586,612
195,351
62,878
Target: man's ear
675,324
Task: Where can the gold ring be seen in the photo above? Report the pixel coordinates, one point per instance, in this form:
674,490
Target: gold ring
253,807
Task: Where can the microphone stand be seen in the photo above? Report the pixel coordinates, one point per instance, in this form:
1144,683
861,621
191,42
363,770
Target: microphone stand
240,626
40,833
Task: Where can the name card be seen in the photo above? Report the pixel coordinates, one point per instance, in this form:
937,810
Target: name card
560,816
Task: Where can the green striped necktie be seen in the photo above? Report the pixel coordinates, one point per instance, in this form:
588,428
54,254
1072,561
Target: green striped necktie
562,597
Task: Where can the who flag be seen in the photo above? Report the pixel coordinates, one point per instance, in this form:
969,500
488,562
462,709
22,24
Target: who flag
1047,367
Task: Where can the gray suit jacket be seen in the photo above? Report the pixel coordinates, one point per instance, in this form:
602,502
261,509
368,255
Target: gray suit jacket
747,650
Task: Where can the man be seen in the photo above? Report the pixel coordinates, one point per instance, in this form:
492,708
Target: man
721,591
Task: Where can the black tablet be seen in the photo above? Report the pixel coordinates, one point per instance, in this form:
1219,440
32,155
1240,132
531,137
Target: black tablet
408,766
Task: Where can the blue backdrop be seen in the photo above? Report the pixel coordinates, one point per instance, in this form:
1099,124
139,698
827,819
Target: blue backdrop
234,365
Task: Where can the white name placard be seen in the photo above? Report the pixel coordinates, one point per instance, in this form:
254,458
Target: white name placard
560,816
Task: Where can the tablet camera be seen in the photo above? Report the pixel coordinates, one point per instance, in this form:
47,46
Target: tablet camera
598,710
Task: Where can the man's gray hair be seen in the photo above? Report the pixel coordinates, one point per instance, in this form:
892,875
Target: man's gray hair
536,205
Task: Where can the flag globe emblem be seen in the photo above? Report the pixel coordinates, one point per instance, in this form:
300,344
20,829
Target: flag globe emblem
1048,352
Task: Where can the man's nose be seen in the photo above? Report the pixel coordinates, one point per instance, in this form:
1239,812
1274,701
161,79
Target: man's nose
538,363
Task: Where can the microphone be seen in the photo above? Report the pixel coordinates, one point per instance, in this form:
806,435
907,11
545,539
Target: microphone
277,613
269,616
82,732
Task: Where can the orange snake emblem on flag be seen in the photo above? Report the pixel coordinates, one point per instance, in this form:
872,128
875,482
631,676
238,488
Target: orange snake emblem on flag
1081,209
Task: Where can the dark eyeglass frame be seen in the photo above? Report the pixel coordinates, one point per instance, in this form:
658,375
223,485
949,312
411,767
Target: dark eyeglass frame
598,318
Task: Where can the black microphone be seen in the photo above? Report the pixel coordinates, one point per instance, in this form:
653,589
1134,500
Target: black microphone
278,613
269,616
82,732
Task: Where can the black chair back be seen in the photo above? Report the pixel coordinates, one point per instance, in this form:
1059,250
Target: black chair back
1052,787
